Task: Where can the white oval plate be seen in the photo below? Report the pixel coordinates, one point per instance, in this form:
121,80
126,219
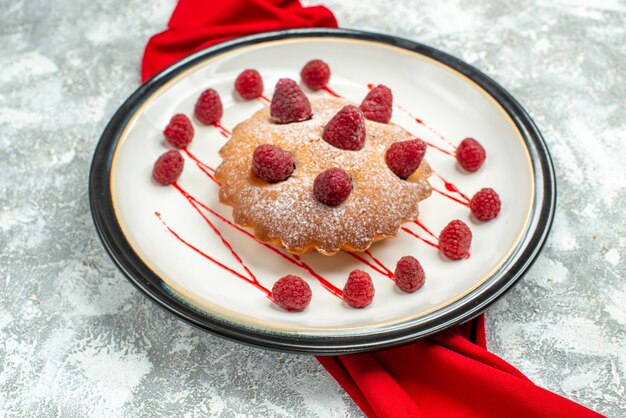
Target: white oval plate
150,230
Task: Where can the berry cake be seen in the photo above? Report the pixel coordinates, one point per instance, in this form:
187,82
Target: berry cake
320,179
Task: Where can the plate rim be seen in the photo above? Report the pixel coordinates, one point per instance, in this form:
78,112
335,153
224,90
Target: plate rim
466,308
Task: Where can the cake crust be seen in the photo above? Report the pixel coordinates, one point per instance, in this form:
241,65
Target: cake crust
287,214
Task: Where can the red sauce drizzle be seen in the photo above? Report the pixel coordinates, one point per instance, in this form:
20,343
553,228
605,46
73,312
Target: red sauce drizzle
327,285
263,99
192,202
378,267
295,260
225,132
430,128
462,202
438,148
332,92
252,279
452,188
432,244
377,261
428,231
206,169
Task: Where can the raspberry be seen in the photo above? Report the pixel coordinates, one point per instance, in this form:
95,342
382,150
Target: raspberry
332,187
208,108
409,274
168,167
291,293
470,154
359,289
377,105
485,204
315,74
179,132
455,240
346,130
249,84
289,104
271,163
404,157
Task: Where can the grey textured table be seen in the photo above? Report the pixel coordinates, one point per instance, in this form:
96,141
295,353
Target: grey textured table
76,339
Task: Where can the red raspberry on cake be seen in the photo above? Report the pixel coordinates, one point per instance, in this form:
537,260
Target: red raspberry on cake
289,103
346,130
403,158
249,84
209,108
291,293
168,168
332,187
409,274
470,154
485,204
271,163
315,74
378,104
455,240
359,289
179,132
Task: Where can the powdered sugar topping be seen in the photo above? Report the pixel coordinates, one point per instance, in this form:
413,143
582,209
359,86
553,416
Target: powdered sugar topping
287,212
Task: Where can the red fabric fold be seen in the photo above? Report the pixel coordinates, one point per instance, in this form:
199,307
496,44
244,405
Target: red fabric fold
197,24
450,374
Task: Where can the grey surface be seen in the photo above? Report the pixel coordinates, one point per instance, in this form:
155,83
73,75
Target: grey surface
77,339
